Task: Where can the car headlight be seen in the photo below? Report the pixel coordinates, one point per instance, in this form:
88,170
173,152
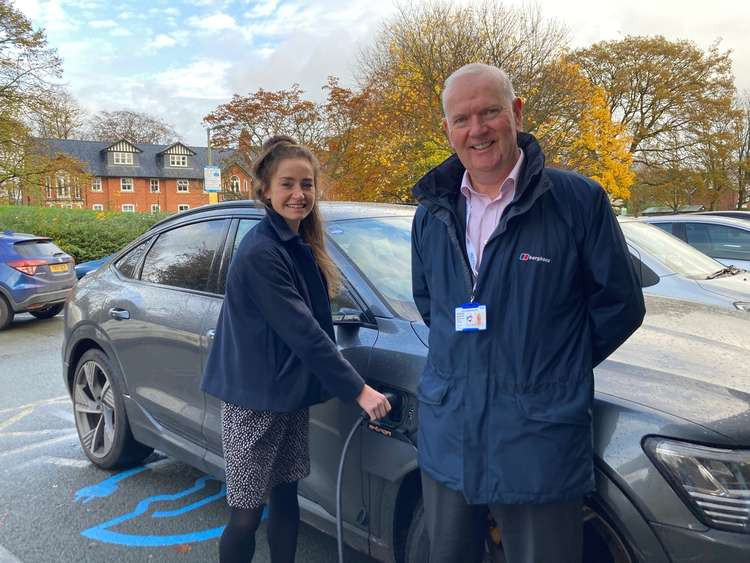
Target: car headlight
743,305
714,482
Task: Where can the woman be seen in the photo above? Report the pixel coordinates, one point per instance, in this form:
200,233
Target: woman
274,354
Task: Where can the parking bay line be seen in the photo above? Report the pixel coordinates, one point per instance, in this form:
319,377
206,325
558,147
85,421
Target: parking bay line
59,399
23,449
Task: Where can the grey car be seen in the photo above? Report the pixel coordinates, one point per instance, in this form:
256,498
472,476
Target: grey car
668,267
726,239
671,408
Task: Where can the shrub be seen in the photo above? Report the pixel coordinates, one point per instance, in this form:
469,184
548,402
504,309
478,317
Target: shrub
84,234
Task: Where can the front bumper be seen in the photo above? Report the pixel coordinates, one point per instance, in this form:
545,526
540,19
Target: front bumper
709,546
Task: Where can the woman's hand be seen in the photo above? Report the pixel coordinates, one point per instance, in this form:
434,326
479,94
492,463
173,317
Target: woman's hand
373,403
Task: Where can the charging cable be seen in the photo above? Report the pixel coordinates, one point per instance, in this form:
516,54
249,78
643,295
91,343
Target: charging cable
392,399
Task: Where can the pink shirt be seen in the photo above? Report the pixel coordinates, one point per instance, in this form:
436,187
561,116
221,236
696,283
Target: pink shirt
483,214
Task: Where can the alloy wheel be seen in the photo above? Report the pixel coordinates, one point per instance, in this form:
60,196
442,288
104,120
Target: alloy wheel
94,407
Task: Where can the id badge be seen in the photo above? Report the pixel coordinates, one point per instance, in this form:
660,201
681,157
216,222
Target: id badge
471,317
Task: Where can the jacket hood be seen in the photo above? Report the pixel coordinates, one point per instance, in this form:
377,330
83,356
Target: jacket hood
441,185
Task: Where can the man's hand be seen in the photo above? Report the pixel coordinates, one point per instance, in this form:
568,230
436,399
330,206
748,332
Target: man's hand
373,403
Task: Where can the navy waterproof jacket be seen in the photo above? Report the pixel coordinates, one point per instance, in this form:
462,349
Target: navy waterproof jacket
274,346
505,413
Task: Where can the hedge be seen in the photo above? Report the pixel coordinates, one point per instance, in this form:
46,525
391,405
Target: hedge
84,234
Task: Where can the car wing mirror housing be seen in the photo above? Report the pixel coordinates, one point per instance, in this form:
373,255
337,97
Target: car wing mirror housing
348,316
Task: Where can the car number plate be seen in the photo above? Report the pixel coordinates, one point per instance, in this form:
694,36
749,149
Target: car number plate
57,268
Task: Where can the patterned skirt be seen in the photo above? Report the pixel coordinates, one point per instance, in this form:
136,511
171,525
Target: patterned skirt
262,449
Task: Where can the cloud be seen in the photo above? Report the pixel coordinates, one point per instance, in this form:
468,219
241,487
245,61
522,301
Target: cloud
103,24
213,23
121,32
201,79
263,9
160,41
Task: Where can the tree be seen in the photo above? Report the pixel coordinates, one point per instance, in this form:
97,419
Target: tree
657,88
27,64
592,145
136,127
27,68
60,117
265,113
741,174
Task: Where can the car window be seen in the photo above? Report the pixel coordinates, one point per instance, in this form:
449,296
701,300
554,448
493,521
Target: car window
381,249
719,241
242,229
128,263
673,253
37,249
664,227
343,300
182,257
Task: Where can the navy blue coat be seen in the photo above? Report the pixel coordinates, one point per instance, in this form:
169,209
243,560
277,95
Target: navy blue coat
505,414
274,346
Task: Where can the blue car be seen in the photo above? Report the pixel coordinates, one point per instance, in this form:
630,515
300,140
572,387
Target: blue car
35,276
85,267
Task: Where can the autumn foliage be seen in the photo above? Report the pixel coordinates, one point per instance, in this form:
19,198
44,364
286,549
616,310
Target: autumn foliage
643,113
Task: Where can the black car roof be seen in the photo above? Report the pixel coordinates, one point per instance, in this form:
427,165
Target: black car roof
332,210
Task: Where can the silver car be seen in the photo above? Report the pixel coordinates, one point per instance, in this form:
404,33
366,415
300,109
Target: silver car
668,267
672,439
726,239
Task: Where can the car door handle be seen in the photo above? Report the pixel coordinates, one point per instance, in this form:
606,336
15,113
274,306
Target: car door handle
119,314
211,333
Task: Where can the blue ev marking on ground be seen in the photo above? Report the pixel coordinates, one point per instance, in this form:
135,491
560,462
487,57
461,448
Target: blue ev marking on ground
103,532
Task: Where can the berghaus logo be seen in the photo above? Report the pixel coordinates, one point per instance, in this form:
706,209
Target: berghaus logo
526,257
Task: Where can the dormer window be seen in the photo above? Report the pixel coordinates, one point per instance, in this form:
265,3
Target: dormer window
122,157
179,160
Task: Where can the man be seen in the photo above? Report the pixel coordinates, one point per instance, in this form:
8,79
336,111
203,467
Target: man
522,274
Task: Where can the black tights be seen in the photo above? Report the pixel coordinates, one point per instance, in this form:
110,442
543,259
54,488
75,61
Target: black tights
237,543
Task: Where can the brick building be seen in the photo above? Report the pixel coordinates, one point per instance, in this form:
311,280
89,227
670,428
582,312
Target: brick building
142,177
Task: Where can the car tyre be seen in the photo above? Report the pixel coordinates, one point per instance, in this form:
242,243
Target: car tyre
100,417
48,312
6,313
417,548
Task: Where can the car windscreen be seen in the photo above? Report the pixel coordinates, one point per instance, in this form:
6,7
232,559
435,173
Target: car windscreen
37,249
673,253
381,249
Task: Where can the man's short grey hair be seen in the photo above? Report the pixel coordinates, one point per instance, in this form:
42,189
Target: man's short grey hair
503,82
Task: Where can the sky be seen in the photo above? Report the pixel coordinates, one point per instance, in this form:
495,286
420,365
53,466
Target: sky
178,60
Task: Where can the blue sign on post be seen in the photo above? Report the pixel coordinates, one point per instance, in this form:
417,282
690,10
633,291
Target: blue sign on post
211,179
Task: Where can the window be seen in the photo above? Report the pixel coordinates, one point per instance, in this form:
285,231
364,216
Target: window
182,207
128,207
126,184
128,263
719,241
97,207
48,187
122,158
242,229
153,186
155,208
96,184
234,184
76,189
62,187
183,186
183,256
381,248
245,185
178,160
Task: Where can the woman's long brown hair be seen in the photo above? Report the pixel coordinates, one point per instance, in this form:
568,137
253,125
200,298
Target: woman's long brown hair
274,150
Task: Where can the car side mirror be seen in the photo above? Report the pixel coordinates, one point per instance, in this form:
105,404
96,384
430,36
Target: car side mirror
348,316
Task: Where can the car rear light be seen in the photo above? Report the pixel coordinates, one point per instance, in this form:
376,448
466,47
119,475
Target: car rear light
27,266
